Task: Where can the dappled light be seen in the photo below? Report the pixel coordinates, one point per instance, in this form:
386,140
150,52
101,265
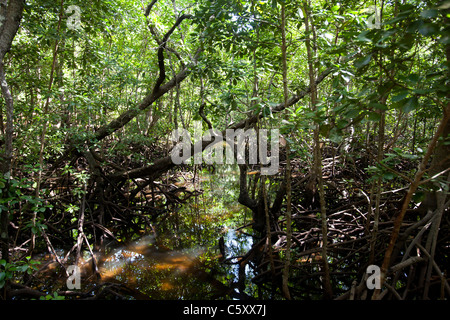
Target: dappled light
224,150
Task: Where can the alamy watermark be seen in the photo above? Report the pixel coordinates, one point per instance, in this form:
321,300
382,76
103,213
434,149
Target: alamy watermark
240,140
74,20
374,20
74,279
374,280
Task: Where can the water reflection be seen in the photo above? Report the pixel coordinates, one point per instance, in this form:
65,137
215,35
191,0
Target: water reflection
181,259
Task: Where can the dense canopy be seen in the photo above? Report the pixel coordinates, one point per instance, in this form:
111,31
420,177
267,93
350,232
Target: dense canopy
350,98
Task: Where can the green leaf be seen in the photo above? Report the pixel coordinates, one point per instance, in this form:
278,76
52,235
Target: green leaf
351,114
428,29
444,39
422,91
394,20
410,105
445,5
389,176
374,116
418,196
428,14
363,36
378,106
362,61
22,268
414,26
413,78
402,95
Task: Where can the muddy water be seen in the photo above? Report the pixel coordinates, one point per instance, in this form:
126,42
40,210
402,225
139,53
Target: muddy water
190,273
180,258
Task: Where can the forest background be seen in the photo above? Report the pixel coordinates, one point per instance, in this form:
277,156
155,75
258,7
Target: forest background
359,91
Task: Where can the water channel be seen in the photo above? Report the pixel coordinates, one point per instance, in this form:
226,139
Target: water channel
181,258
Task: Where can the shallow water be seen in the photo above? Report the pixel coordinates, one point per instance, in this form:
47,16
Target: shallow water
191,273
180,258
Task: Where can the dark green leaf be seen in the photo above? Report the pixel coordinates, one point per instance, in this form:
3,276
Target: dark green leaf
392,21
363,61
410,105
445,39
374,116
388,176
428,29
402,95
427,14
419,196
363,36
414,26
351,114
413,78
378,106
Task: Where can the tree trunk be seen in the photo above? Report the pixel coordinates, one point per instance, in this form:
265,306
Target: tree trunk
11,14
439,163
441,157
7,157
285,287
317,167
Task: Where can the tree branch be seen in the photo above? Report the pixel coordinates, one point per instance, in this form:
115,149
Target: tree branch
11,16
163,164
202,114
244,197
149,8
162,48
280,107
